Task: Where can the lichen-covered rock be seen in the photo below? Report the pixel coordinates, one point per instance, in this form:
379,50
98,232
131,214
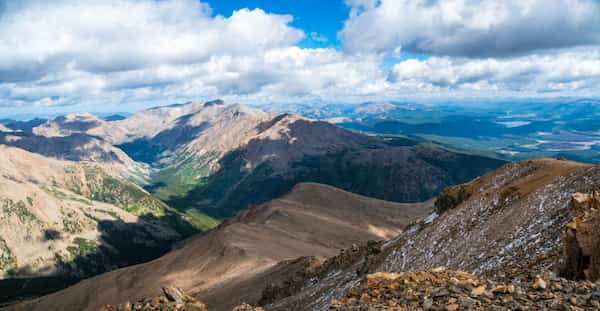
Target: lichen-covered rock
581,238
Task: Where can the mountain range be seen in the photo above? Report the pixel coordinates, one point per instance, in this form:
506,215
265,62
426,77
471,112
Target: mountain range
512,130
506,228
89,195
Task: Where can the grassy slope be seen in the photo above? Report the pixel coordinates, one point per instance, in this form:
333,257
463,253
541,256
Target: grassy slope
109,189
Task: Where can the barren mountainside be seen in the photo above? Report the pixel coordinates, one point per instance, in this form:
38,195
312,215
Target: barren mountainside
236,261
509,225
217,158
72,219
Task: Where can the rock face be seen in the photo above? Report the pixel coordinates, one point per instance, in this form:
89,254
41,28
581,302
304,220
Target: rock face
581,241
441,289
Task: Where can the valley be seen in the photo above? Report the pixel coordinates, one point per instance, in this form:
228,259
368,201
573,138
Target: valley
105,194
273,155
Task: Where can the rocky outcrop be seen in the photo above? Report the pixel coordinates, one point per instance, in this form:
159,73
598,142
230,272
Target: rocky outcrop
173,298
581,239
441,289
452,196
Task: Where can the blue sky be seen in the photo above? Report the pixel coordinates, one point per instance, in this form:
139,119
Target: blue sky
124,55
323,17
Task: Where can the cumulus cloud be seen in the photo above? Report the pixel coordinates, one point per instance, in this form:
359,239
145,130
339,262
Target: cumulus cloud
146,52
279,74
565,72
98,52
470,28
119,35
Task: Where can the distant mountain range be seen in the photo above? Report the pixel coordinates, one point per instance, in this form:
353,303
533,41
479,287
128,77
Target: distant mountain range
89,194
218,158
511,130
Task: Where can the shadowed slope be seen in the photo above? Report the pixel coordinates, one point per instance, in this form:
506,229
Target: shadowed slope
510,224
311,220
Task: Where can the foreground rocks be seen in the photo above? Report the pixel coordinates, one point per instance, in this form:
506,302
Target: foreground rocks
173,299
441,289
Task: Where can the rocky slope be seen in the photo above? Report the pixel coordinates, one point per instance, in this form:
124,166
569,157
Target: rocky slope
508,228
72,219
442,289
78,147
237,261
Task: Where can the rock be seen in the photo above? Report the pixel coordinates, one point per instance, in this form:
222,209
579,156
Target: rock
503,289
477,291
453,196
247,307
581,238
174,294
428,290
539,284
427,303
173,299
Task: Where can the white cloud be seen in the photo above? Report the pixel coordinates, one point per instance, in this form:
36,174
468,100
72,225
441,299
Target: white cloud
145,52
317,37
566,72
471,28
278,74
120,35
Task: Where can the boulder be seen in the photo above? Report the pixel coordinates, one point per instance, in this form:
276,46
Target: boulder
581,238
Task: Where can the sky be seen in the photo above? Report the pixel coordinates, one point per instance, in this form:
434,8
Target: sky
124,55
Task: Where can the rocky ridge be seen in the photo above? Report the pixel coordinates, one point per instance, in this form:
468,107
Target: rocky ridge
509,230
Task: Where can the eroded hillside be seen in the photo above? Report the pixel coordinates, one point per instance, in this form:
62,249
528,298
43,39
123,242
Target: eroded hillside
237,261
72,219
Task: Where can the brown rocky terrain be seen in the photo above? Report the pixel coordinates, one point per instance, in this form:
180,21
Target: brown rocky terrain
172,299
234,263
518,238
441,289
509,229
78,147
